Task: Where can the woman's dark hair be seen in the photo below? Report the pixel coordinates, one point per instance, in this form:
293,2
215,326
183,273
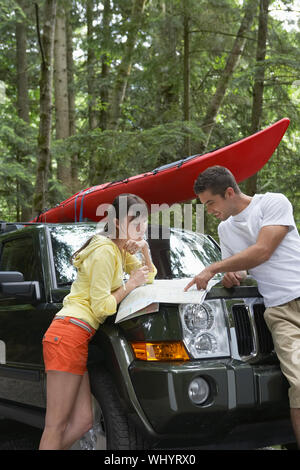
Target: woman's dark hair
216,179
122,206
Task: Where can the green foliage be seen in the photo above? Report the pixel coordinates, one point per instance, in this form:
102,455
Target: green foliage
17,160
151,131
120,154
8,10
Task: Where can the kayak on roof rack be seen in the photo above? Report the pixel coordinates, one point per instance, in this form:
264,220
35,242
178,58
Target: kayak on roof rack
172,183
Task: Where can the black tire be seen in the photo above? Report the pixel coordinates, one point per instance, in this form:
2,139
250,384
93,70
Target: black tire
121,434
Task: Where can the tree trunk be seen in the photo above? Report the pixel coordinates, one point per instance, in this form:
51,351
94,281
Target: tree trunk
186,73
124,68
22,75
258,89
91,82
104,93
169,63
61,95
231,64
23,193
91,78
71,99
44,138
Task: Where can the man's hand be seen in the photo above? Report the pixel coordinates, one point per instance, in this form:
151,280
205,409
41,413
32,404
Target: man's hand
233,278
268,240
201,280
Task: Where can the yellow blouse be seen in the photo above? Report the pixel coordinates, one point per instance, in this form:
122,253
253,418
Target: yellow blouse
100,271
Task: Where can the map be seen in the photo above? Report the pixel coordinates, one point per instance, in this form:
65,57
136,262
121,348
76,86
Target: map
146,299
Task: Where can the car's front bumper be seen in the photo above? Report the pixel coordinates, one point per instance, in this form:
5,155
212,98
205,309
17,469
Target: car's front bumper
241,395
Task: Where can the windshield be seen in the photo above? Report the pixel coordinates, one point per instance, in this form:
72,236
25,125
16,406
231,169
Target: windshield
181,254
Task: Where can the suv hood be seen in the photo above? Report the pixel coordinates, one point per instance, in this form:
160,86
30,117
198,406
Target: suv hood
146,299
161,291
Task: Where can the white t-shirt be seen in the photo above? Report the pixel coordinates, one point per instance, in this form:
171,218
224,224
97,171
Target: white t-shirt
278,279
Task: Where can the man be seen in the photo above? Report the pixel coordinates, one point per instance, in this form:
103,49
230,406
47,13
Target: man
258,234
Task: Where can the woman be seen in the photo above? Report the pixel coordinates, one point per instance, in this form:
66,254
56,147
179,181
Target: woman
94,295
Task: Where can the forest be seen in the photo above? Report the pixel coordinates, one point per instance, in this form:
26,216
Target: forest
95,91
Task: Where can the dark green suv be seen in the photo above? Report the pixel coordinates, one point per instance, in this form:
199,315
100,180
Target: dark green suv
190,375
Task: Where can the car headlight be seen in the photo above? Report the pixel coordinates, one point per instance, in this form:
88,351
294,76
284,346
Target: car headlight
204,329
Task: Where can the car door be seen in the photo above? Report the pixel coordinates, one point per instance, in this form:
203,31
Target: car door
22,324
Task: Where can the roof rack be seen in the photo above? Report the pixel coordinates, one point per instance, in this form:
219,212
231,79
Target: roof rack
9,226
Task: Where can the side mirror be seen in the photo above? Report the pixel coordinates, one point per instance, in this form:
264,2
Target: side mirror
11,276
13,286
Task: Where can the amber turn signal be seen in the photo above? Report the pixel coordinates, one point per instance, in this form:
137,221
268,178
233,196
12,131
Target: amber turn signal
160,351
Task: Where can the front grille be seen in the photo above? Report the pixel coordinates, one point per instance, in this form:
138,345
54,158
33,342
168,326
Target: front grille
263,333
245,330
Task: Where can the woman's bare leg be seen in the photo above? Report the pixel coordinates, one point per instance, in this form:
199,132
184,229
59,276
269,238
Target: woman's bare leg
62,390
81,418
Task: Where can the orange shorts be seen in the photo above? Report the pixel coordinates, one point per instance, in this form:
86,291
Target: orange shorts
65,346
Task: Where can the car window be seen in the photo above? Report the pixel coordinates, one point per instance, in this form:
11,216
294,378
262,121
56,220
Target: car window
20,255
66,239
181,254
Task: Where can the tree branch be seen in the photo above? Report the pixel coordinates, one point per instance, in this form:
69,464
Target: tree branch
39,33
220,32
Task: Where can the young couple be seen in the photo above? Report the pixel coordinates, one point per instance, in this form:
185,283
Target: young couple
257,234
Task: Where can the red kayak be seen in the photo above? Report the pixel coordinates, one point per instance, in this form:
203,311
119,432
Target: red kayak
172,183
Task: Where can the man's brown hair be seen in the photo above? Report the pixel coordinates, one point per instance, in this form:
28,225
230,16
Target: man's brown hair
216,179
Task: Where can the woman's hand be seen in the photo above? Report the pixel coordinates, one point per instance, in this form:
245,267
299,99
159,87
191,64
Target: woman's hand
133,246
139,277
